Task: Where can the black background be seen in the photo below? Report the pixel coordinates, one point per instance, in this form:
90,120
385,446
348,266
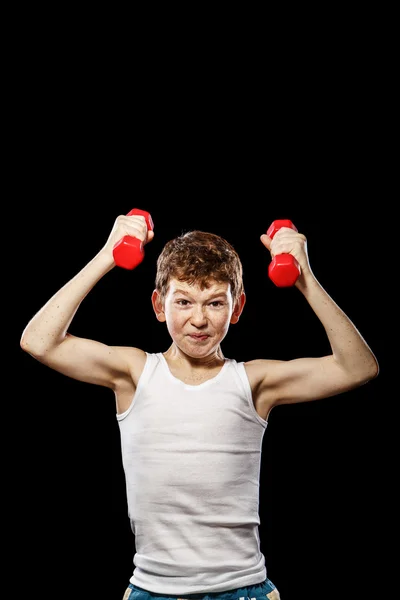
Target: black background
227,147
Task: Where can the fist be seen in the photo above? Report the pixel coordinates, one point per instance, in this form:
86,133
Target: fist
288,250
285,241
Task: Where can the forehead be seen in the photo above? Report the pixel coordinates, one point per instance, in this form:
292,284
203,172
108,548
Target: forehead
194,289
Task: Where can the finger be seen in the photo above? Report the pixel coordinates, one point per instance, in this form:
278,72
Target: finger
285,233
266,240
150,236
134,226
288,245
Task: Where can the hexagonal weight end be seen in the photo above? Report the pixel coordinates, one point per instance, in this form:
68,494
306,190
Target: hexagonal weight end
276,225
128,252
284,270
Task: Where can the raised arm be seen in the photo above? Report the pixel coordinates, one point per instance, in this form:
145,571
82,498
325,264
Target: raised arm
46,336
351,363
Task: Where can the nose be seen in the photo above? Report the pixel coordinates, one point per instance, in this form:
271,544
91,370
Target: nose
198,317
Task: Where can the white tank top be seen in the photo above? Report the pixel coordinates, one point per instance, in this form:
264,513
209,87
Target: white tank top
192,457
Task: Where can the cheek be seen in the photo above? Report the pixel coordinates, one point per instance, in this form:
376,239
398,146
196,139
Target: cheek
175,319
221,321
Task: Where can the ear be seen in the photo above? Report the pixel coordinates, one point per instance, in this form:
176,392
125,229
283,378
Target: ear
238,308
158,306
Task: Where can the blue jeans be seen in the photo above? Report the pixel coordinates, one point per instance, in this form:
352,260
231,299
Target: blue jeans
261,591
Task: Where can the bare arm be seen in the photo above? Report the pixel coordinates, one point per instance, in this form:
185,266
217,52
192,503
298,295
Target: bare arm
351,363
46,336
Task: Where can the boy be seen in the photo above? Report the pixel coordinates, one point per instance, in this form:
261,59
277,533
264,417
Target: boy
191,420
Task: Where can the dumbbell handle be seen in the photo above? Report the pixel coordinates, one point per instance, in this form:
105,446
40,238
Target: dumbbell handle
284,269
128,253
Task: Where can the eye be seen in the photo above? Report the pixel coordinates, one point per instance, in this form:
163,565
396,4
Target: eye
182,302
217,303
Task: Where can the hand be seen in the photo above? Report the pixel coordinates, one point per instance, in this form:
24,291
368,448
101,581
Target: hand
134,226
288,241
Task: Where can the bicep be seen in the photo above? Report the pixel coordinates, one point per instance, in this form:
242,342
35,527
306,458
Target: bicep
87,360
301,380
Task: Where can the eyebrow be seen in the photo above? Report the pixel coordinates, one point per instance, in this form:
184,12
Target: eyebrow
185,293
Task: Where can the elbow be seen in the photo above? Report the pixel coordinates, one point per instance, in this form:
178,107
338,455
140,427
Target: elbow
24,343
375,370
30,347
374,367
362,373
371,372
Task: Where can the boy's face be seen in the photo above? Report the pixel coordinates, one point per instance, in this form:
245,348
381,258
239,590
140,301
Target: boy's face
197,319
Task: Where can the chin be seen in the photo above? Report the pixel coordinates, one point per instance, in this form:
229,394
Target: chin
199,352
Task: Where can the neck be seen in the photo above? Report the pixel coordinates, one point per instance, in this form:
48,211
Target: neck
212,360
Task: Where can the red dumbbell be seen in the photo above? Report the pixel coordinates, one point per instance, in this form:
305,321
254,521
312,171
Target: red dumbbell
284,269
128,253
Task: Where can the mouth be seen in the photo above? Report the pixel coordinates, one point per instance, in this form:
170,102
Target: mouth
199,338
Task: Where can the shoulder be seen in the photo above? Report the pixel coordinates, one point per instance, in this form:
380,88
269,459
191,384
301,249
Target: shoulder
260,370
134,358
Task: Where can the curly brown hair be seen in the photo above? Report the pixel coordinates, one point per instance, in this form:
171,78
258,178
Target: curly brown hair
199,257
